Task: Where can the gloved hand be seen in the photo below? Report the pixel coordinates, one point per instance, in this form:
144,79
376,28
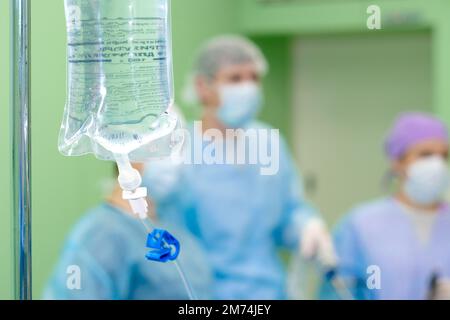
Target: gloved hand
442,290
316,243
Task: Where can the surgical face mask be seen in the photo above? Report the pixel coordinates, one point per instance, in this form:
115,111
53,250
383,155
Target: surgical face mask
240,104
427,180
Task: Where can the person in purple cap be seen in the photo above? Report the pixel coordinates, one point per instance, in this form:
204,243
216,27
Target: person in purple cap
398,247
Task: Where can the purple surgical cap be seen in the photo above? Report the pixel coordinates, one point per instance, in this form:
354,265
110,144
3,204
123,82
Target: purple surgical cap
411,129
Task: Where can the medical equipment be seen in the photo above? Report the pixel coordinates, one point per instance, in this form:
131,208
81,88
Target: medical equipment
439,287
119,77
119,95
339,284
304,276
433,286
107,245
21,147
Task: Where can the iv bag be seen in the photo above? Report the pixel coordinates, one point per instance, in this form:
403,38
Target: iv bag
119,87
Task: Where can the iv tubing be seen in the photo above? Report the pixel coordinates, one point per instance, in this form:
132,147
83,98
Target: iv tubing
129,180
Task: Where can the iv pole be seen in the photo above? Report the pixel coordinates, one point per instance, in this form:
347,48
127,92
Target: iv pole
21,147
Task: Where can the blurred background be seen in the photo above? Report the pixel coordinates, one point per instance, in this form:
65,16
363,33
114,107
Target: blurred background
333,89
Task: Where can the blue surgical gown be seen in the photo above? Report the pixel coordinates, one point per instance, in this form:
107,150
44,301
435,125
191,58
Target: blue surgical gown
381,234
109,247
242,218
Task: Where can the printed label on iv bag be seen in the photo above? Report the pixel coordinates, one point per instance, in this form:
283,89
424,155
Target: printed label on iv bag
128,60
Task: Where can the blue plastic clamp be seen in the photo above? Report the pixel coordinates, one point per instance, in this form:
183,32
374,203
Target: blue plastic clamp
166,247
330,274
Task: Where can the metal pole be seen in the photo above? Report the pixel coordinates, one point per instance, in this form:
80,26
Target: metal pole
21,147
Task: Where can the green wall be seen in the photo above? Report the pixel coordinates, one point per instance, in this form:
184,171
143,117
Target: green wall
64,188
305,18
194,22
320,17
278,82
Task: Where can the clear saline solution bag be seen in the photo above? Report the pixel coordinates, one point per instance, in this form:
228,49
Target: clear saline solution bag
119,83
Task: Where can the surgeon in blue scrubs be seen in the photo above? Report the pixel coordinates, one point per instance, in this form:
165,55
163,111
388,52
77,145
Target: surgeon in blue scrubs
398,247
241,215
104,259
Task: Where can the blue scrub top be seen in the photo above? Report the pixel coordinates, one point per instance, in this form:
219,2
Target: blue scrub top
242,218
381,234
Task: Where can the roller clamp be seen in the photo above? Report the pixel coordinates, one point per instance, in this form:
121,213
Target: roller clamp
165,246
